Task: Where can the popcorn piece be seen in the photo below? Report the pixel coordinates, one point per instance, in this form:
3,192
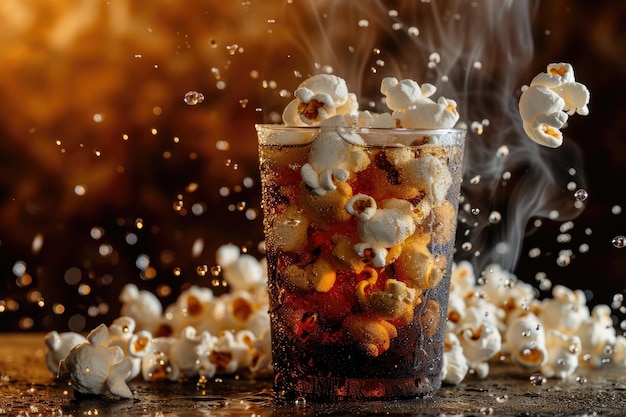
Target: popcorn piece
374,120
122,334
191,308
619,356
430,318
454,367
59,345
560,78
343,253
155,365
317,99
331,159
186,351
289,228
505,291
526,341
325,208
262,357
379,229
373,335
456,311
400,95
441,224
396,302
542,115
143,306
546,104
427,114
95,368
231,311
462,278
597,336
413,108
242,272
566,311
229,354
319,276
480,341
427,172
563,354
418,268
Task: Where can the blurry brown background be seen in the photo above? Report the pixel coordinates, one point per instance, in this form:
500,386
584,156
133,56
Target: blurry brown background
107,176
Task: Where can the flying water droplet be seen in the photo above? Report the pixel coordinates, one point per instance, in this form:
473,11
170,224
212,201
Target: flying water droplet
495,217
537,379
193,97
581,194
619,241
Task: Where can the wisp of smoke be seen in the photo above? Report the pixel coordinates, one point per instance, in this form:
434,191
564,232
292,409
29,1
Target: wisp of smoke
475,52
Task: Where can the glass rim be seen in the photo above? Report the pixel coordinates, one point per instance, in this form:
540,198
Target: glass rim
408,130
270,135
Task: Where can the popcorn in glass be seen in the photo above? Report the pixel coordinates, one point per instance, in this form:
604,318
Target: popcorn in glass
360,226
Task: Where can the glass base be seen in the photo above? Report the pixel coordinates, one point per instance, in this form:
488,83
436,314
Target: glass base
359,389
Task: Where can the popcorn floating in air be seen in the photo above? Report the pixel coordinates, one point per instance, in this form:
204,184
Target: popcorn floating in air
548,102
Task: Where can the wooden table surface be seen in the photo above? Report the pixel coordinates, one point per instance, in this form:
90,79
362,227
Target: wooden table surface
27,388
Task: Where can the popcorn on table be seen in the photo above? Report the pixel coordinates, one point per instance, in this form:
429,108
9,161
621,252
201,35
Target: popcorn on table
104,361
95,367
547,103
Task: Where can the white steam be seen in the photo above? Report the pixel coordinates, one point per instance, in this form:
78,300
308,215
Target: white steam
479,53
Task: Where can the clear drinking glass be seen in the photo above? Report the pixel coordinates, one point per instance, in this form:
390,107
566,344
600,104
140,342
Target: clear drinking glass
360,227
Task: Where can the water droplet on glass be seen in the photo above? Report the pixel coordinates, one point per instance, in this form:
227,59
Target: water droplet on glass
619,241
193,97
581,194
300,402
581,379
216,270
475,211
616,209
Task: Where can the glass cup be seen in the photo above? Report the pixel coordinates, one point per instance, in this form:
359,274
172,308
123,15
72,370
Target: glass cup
360,227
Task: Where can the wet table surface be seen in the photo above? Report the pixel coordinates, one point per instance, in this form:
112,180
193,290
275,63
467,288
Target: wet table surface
27,388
